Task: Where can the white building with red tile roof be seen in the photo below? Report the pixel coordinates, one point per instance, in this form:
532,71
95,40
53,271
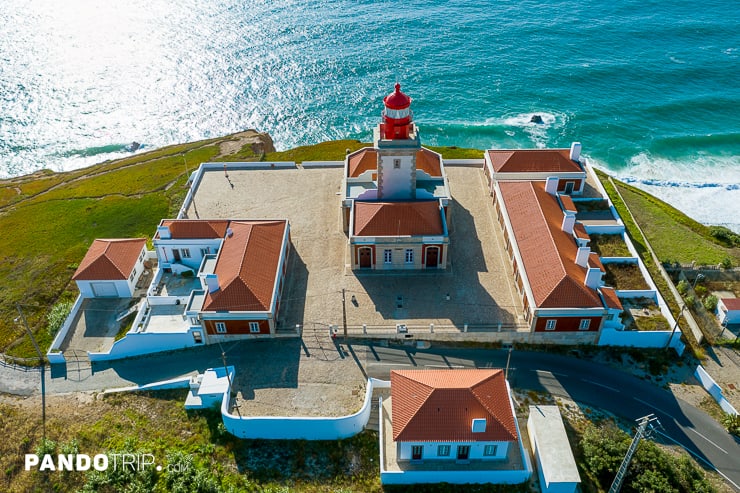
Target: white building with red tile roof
557,275
111,268
452,421
395,196
728,310
538,165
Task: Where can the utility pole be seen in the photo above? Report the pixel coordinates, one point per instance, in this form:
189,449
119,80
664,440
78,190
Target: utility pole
508,358
642,430
344,314
43,368
675,326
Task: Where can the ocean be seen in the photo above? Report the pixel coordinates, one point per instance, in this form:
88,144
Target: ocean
650,88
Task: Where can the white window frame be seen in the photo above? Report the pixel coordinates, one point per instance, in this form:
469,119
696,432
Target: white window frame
443,450
584,324
254,327
185,252
204,251
550,324
409,256
388,256
490,450
220,327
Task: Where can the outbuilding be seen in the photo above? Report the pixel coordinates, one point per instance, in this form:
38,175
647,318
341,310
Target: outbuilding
556,466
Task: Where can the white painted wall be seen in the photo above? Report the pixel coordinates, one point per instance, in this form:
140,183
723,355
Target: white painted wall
430,450
166,256
138,343
308,428
634,338
454,477
123,288
395,184
52,355
714,389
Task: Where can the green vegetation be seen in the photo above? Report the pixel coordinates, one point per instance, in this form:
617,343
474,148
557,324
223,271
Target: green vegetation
676,237
732,423
326,151
57,315
609,246
639,243
603,446
624,276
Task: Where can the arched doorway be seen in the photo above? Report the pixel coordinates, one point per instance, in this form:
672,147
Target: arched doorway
365,255
432,260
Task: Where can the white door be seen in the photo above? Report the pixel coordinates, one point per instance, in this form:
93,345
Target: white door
104,289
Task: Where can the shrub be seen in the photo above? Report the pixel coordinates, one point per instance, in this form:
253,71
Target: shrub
46,447
726,263
732,423
691,301
710,302
683,287
57,315
725,235
700,291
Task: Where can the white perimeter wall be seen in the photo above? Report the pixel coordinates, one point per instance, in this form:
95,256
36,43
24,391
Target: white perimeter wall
308,428
135,344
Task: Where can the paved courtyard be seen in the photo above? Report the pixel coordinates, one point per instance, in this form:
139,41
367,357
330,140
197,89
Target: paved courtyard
478,280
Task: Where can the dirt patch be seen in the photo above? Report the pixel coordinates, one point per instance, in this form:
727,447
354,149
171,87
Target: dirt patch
260,143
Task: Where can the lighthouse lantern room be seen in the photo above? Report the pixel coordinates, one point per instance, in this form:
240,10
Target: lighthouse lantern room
397,115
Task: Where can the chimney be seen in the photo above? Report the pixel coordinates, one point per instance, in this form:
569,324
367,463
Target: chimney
212,283
229,232
582,256
479,425
551,185
164,232
575,151
593,278
569,219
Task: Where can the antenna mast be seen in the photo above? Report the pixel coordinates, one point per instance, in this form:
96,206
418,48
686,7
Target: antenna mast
644,429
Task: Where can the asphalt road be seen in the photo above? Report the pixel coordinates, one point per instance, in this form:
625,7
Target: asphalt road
589,383
583,381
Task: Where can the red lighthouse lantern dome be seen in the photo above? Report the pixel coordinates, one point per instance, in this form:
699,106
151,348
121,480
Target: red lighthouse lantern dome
397,115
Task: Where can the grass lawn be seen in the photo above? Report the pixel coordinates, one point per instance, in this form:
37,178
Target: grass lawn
674,236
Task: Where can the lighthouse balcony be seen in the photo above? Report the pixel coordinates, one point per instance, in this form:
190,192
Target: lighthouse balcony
380,142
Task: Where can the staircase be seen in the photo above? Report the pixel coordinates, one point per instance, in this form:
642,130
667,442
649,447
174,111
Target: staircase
373,423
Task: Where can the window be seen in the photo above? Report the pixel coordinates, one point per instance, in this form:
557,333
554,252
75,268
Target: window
550,325
396,164
409,255
416,452
221,327
131,277
388,256
185,252
204,251
254,327
443,451
585,322
194,321
490,450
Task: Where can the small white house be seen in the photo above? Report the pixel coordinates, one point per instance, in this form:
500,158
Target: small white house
454,426
556,465
111,268
728,310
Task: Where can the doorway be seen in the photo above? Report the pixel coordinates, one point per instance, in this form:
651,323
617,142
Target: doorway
366,258
569,186
176,254
432,260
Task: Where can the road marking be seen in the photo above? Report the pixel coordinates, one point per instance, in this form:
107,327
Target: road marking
707,439
600,385
699,457
656,408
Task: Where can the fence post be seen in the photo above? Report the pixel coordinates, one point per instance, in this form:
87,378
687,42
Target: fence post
431,328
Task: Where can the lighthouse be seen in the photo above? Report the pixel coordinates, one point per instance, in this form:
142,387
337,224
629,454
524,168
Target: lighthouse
397,115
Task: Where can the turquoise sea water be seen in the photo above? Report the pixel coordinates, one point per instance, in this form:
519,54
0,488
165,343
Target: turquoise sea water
650,88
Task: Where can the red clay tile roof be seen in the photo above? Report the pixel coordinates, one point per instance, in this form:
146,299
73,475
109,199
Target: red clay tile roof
429,161
398,218
580,231
110,260
568,204
533,161
731,303
548,253
247,267
196,228
439,405
610,297
362,161
595,261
